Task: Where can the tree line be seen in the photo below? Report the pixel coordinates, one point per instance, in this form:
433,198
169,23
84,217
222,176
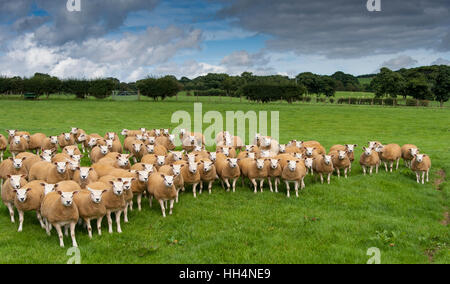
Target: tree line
423,83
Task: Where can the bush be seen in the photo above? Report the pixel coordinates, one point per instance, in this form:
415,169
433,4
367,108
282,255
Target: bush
411,102
424,103
389,101
210,93
101,88
331,100
378,101
272,92
353,101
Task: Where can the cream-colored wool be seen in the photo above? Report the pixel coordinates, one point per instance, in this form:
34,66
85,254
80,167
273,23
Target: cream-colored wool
34,197
22,146
85,176
369,161
294,172
389,154
29,161
89,210
161,191
408,151
36,141
340,162
7,168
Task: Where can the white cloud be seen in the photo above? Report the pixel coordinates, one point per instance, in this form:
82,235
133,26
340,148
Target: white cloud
441,61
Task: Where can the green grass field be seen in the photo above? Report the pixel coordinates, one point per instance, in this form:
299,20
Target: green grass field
334,223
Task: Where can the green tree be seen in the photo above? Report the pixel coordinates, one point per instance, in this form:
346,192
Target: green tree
101,88
387,83
441,87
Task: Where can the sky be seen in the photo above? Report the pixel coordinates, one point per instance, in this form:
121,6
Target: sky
133,39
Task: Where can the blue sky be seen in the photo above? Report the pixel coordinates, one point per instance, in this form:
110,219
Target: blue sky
131,39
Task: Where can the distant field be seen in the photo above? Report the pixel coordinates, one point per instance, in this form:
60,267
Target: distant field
334,223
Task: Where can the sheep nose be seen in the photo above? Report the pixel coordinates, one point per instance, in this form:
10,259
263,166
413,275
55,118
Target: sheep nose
22,199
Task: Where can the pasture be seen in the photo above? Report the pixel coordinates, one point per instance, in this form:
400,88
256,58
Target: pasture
334,223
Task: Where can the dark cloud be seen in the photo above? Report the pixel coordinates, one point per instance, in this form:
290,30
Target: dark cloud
245,59
96,18
344,28
441,61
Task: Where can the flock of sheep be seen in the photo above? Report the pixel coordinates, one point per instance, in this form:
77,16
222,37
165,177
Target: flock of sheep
63,193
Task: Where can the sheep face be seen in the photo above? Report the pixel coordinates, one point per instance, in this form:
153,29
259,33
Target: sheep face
67,198
414,151
327,159
373,144
46,158
309,151
127,182
21,194
48,188
260,163
14,180
266,142
48,153
367,151
226,151
351,148
419,157
212,156
342,155
198,148
207,166
233,163
92,142
26,137
265,154
178,156
117,187
166,132
96,195
298,155
193,167
111,135
104,150
160,160
182,132
54,139
84,173
123,161
292,165
151,140
73,165
176,169
149,168
70,151
168,180
282,148
66,136
157,132
140,137
16,140
248,148
192,140
171,138
299,144
309,162
61,167
274,163
143,176
124,132
191,158
76,158
74,131
11,133
150,149
18,163
109,143
251,155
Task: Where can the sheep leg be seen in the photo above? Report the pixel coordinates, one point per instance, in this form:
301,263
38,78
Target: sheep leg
223,185
329,178
234,184
385,166
125,214
165,204
171,207
72,234
288,189
228,184
261,185
417,177
277,182
108,216
210,187
255,185
20,221
1,156
139,202
428,172
391,165
11,211
321,178
194,189
364,169
338,172
423,177
350,168
163,210
47,227
376,168
39,217
303,183
66,230
134,160
345,172
60,234
270,184
398,162
118,213
371,169
201,187
150,200
296,188
88,224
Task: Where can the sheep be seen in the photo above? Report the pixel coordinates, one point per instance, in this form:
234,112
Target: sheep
59,209
230,152
82,139
36,142
84,176
207,174
29,198
244,154
12,133
129,141
166,141
312,152
50,143
191,176
283,159
157,161
29,160
421,164
66,139
12,166
374,144
137,151
309,164
255,169
114,202
323,164
390,153
173,156
121,161
369,158
8,195
189,143
350,148
77,132
408,152
294,172
143,167
71,150
50,172
252,149
198,136
114,145
98,152
91,207
18,145
271,145
102,169
200,153
275,172
175,171
130,133
111,136
162,187
314,144
340,161
139,180
3,146
228,168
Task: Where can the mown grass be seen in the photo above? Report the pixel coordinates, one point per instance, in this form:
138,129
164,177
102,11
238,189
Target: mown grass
334,223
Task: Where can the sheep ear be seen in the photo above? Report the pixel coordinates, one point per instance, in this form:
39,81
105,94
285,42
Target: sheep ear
111,182
163,176
42,184
11,158
15,190
59,192
28,189
75,192
23,176
425,155
364,148
24,158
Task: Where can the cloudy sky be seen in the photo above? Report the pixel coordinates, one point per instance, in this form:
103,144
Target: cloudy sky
131,39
